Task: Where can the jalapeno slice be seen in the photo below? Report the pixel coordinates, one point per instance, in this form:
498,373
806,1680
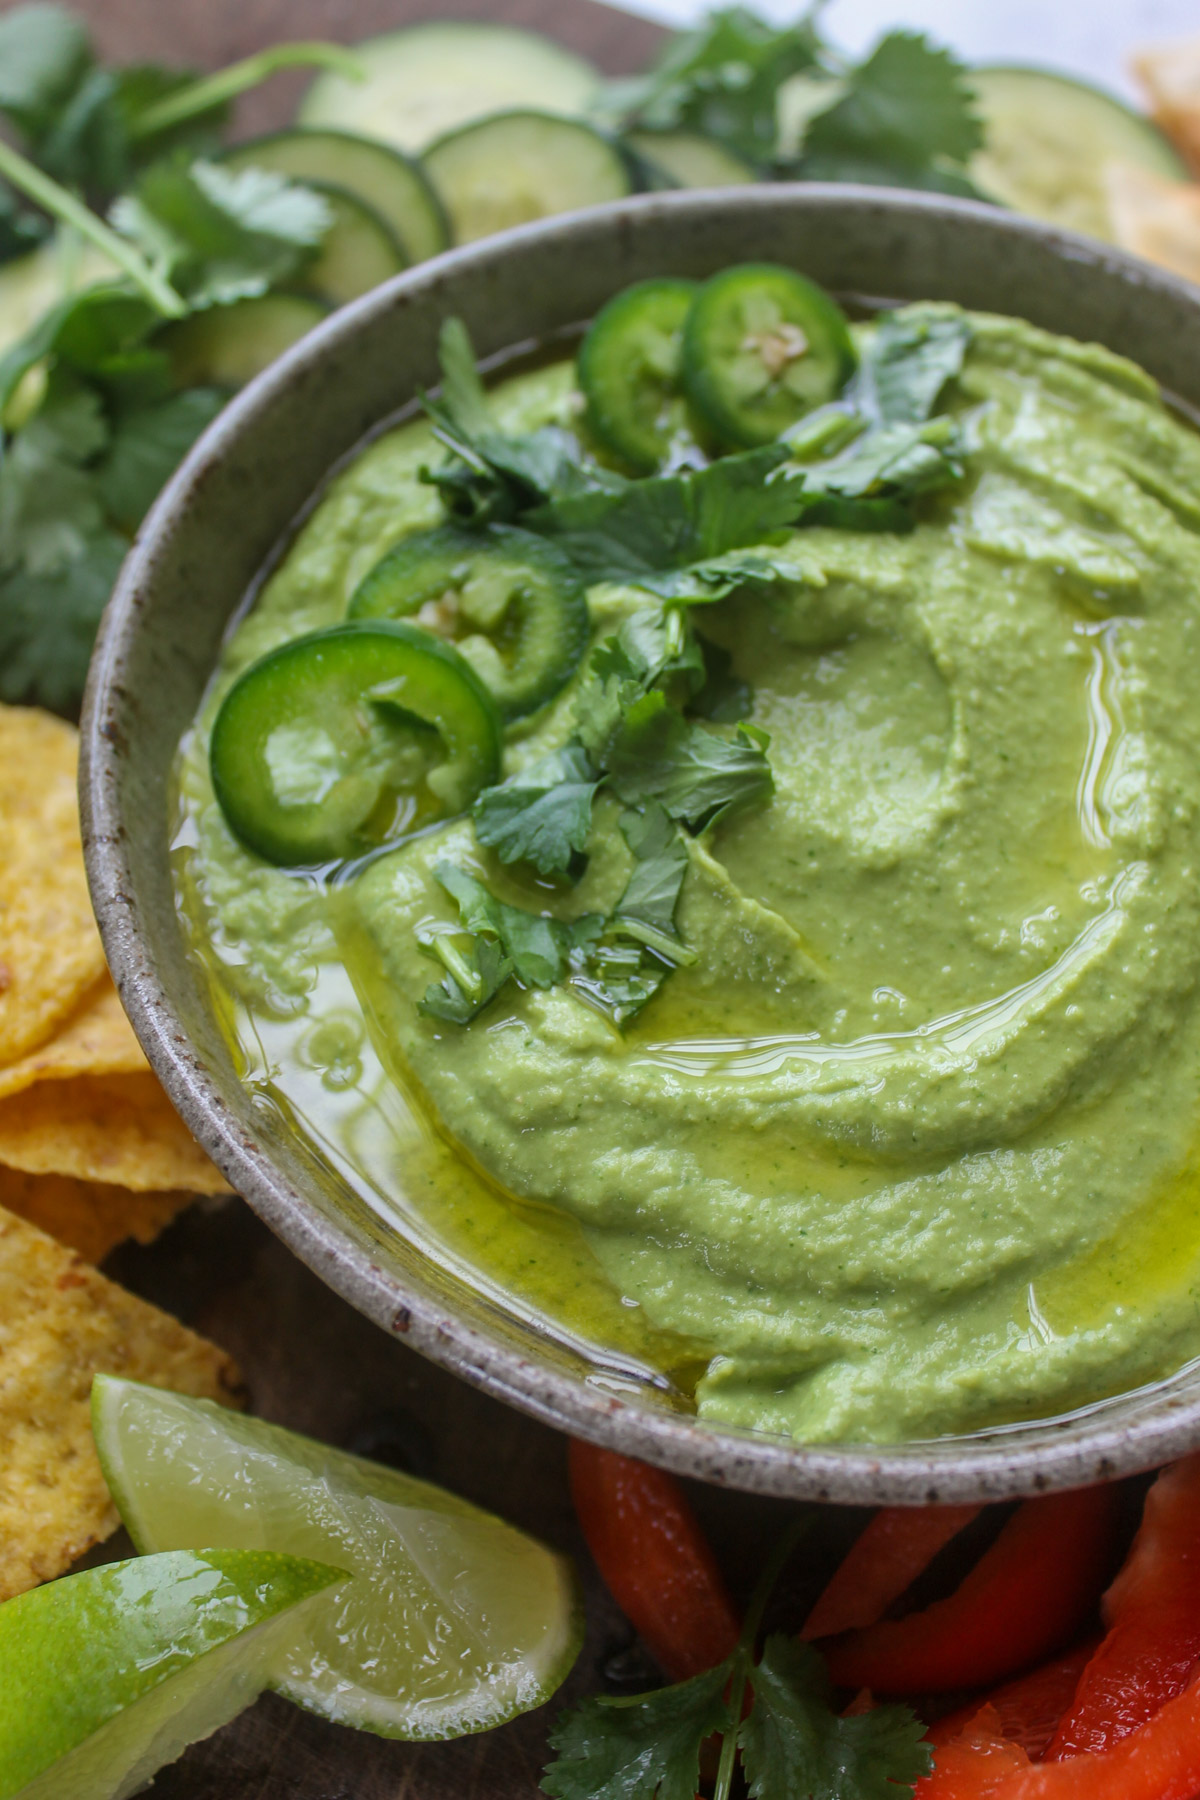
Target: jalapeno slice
349,738
630,369
509,601
761,347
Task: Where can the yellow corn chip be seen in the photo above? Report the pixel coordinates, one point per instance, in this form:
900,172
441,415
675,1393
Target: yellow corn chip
1170,76
1155,218
49,947
96,1040
119,1129
88,1216
60,1324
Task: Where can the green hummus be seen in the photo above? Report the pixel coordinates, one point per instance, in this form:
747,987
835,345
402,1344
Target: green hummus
911,1148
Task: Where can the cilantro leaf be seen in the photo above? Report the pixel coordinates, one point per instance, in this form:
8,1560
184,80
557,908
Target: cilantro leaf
20,229
905,116
720,576
493,475
222,234
653,646
49,506
657,754
910,358
474,976
148,444
894,460
722,80
620,979
660,864
48,624
725,697
643,1749
95,333
541,815
44,53
794,1745
536,948
670,521
650,646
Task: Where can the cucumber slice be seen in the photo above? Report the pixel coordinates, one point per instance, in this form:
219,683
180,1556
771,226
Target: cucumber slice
1048,140
424,82
519,166
392,184
228,346
31,284
358,251
686,159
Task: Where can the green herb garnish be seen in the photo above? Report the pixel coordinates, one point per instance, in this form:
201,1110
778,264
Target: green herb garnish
793,1745
905,117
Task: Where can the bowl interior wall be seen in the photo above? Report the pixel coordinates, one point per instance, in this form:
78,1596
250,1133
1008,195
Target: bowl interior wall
226,512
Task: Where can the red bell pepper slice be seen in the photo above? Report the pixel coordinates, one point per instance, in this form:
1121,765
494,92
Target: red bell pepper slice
1158,1761
654,1558
1152,1610
1030,1593
975,1764
1025,1711
885,1559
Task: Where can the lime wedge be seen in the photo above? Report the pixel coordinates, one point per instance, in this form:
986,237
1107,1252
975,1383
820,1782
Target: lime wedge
108,1675
452,1621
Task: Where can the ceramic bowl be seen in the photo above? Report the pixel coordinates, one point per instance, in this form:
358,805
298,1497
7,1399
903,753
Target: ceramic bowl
210,532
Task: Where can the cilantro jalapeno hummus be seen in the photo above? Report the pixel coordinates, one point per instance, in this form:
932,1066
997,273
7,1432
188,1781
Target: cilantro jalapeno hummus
799,1005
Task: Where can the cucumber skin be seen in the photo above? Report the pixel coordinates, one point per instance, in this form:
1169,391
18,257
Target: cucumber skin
419,239
440,157
1077,200
656,170
334,102
224,326
1168,159
321,275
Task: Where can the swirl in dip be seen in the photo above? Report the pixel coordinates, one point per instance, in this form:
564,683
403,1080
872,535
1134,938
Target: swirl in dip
910,1147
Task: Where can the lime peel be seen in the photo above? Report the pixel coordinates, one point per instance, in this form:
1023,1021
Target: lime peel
453,1621
107,1675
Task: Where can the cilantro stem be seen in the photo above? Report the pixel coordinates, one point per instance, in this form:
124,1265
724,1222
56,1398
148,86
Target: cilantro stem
214,90
64,206
742,1660
671,949
453,961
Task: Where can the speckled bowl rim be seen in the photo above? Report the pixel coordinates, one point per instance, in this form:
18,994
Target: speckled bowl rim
1131,1432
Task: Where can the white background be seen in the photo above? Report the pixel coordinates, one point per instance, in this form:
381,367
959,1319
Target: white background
1087,37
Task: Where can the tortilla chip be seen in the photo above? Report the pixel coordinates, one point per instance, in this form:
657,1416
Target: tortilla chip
1155,218
96,1040
1170,76
60,1324
118,1129
49,947
88,1216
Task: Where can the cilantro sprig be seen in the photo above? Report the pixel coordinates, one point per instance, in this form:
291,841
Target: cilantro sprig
791,1742
672,773
92,423
904,116
700,534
